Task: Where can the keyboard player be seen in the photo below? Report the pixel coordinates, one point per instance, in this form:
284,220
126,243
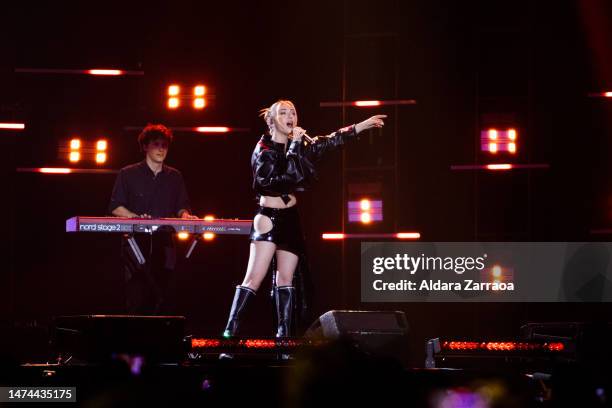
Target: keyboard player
150,189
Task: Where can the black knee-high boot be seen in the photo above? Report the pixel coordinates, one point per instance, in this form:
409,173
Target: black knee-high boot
241,299
285,303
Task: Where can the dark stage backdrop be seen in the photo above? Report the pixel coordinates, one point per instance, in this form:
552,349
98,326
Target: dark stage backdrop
461,61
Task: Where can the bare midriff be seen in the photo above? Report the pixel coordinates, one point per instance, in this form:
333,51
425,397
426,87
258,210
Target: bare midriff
277,202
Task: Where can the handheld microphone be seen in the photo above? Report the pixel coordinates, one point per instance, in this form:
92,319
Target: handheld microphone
308,138
305,136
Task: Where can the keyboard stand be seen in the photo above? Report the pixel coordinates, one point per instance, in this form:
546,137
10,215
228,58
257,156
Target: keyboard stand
193,245
135,249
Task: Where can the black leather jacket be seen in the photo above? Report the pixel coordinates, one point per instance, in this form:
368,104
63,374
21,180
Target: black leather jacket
278,174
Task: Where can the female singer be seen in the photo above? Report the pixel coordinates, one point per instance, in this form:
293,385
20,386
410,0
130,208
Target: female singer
282,162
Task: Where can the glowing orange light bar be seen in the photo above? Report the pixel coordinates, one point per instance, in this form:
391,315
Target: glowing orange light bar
74,157
367,103
182,235
212,129
608,94
208,236
209,218
501,346
173,90
396,235
462,167
556,346
105,72
17,126
461,345
199,90
253,343
333,236
493,147
199,103
173,103
108,72
492,134
75,144
100,158
393,102
54,170
499,166
260,343
408,235
101,145
205,342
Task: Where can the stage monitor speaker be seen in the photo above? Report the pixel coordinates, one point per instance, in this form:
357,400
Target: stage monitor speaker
381,333
97,338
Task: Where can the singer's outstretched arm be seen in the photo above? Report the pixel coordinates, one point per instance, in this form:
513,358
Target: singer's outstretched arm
322,144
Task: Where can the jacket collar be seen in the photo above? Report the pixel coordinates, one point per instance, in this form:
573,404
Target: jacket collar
267,141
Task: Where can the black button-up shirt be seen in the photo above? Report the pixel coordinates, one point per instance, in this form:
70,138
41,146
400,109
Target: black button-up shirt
138,189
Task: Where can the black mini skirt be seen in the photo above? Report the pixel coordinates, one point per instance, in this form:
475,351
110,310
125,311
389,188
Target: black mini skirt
286,230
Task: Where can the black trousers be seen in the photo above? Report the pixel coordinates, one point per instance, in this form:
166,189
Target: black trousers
149,288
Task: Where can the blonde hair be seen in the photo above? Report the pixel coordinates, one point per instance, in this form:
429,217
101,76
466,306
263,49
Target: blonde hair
268,113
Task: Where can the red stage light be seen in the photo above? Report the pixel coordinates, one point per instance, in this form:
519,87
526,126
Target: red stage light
461,345
74,157
396,235
105,72
208,236
54,170
501,346
366,218
100,158
408,235
199,103
361,104
366,103
182,235
212,129
332,235
101,145
494,141
12,126
174,90
260,343
556,346
209,218
213,343
499,166
75,144
64,170
365,211
173,103
199,90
